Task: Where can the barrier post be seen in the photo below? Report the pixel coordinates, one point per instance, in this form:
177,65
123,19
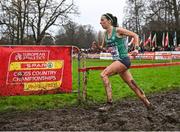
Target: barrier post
84,88
171,60
154,56
79,77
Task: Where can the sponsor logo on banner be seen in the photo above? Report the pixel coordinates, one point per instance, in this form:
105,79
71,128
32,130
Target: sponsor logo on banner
145,56
167,55
106,56
38,73
27,70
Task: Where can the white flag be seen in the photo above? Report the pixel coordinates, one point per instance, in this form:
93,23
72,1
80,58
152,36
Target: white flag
175,39
154,44
163,39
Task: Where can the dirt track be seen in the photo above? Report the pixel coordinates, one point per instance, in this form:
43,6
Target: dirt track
126,115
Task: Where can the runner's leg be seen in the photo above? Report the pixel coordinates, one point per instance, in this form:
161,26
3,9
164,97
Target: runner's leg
114,68
127,77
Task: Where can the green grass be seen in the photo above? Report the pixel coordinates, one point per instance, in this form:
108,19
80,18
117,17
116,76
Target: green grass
149,79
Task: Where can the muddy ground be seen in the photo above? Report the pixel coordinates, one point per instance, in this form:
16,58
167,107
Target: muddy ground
129,114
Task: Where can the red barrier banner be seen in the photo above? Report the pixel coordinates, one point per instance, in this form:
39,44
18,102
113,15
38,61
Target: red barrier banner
167,55
26,70
146,56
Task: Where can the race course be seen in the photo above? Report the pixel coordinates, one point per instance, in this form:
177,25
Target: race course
127,114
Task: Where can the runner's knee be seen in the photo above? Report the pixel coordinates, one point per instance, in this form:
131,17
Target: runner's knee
127,81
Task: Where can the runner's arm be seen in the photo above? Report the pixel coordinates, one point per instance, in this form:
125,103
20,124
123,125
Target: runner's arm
122,31
101,44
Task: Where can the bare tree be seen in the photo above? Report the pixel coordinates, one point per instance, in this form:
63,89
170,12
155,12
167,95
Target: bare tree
153,16
33,17
134,17
77,35
165,12
13,17
175,5
46,13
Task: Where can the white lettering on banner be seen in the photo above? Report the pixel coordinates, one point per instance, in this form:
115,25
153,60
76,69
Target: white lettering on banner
30,56
167,55
36,79
40,73
33,65
34,73
106,56
22,73
145,56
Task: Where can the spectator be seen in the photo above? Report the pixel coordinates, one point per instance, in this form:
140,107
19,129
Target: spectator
94,48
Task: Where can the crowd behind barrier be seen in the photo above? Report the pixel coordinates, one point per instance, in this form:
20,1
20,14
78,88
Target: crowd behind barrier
94,48
149,53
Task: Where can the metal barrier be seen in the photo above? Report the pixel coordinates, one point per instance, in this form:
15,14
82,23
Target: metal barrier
85,70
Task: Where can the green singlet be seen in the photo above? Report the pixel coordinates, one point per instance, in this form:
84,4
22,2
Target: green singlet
116,45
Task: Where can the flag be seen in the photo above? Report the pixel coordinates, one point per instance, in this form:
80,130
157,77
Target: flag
148,40
163,39
154,42
166,40
141,43
144,38
175,39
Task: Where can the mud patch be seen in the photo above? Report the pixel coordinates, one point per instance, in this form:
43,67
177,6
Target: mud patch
129,114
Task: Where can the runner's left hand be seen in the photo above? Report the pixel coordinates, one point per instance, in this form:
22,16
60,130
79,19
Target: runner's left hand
134,53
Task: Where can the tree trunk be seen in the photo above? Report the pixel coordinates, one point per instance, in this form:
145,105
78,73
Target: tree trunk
176,15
